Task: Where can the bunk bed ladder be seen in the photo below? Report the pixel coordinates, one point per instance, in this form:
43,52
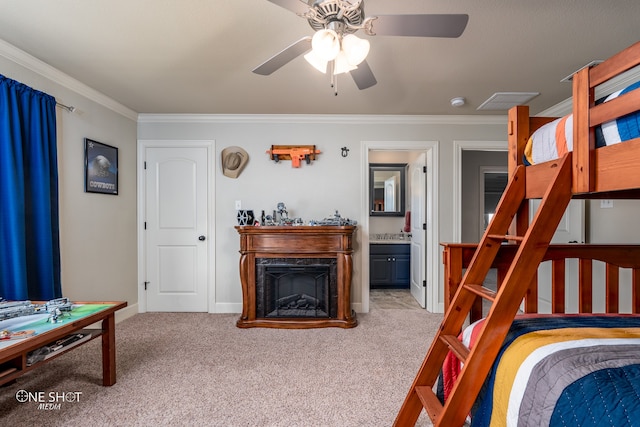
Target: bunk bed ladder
505,302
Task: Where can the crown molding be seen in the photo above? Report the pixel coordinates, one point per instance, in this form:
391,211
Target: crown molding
323,119
32,63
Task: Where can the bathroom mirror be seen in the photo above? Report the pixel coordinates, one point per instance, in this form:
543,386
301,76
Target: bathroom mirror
387,189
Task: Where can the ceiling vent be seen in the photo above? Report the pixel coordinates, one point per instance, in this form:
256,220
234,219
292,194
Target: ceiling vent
506,100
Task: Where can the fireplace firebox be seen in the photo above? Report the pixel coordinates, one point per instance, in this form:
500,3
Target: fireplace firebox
296,288
296,276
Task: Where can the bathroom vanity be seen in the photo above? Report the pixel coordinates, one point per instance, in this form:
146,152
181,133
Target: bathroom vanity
389,265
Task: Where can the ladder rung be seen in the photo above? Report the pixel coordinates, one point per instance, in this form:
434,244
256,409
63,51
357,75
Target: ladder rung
502,237
460,350
481,291
430,402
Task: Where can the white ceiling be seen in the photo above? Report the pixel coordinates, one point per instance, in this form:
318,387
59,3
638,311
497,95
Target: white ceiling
196,56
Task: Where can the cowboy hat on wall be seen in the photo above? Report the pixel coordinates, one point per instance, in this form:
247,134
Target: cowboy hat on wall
234,159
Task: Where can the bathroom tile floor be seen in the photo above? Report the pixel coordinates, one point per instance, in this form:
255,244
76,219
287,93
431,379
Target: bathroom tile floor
392,299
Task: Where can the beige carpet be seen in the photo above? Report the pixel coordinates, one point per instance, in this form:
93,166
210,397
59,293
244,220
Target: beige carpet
200,370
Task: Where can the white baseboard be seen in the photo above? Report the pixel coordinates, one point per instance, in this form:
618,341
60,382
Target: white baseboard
227,307
357,307
127,312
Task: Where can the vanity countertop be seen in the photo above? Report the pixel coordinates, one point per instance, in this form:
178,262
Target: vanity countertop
390,242
389,238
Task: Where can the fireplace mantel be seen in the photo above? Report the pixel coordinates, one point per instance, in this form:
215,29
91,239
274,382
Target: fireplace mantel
296,242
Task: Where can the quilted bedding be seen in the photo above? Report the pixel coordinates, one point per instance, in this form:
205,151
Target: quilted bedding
555,139
560,370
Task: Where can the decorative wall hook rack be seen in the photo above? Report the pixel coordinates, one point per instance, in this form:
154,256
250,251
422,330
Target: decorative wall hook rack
295,153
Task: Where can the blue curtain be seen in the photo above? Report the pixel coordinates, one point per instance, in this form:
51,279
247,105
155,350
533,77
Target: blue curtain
29,226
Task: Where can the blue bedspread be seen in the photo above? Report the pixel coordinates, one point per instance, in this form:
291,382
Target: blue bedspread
577,370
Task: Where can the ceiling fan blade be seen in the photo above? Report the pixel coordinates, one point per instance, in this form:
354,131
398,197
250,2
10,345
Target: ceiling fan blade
363,76
296,6
430,25
281,58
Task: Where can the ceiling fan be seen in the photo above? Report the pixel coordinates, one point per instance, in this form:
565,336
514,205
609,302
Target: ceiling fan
334,48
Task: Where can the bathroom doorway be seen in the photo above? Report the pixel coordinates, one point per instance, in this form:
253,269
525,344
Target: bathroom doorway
423,242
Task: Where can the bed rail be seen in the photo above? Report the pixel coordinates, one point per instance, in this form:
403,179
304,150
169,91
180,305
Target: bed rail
456,257
587,115
612,169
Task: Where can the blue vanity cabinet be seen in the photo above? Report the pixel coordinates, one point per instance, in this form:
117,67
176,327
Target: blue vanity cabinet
389,266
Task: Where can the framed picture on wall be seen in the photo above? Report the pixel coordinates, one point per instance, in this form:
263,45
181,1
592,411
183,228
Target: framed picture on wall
100,167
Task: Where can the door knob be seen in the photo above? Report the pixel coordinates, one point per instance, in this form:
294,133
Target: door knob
201,238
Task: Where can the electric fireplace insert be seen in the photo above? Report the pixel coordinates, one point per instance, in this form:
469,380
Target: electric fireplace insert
296,287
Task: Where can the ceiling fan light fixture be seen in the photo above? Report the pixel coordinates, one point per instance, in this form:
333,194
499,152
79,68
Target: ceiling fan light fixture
335,21
317,62
326,44
355,49
342,64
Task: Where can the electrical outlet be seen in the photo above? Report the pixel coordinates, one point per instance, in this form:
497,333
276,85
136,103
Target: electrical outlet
238,205
606,204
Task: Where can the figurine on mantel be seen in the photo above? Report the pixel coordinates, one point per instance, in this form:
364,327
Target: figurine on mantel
282,211
281,217
335,220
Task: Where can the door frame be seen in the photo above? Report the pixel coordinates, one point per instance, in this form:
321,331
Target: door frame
430,148
142,145
458,148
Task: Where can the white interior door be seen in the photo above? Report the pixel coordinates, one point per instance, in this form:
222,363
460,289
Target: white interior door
418,233
176,222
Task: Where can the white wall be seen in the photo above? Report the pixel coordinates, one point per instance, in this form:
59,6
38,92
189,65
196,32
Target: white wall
617,224
313,191
97,232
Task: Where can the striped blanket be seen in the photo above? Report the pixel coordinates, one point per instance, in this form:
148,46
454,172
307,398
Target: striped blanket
560,370
555,139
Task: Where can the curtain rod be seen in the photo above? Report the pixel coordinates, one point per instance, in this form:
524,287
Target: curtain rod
70,109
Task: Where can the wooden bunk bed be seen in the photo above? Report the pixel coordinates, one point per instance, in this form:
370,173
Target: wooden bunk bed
516,247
